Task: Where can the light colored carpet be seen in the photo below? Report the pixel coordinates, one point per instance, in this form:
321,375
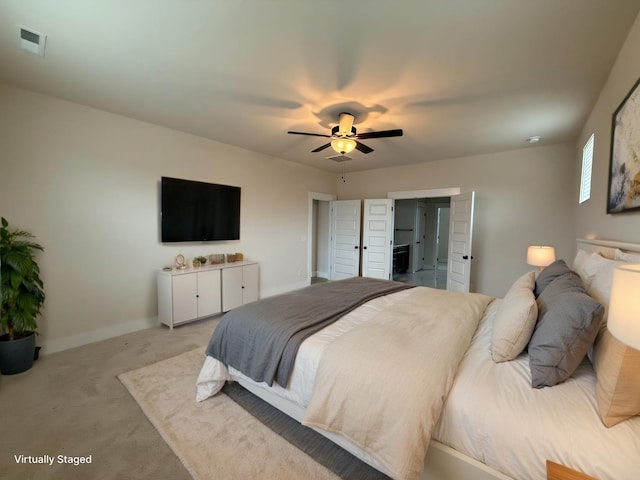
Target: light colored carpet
216,438
71,403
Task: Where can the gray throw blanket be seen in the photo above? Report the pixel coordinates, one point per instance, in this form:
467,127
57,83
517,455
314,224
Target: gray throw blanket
261,339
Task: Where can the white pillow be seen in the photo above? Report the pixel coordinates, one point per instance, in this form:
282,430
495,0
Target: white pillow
578,263
626,256
528,280
600,287
515,320
587,264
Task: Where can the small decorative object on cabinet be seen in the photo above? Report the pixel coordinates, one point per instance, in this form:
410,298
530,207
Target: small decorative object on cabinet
199,261
181,264
191,294
216,258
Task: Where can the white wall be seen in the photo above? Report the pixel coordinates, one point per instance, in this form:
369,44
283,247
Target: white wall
86,183
591,216
523,197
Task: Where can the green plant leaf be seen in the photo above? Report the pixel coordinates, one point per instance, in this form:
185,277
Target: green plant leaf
21,288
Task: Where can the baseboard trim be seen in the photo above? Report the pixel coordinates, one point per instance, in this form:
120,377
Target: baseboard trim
59,344
283,289
54,345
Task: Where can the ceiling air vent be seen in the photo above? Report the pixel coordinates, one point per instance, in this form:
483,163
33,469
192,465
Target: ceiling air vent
339,158
32,41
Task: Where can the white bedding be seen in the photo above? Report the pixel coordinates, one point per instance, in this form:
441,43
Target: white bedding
214,374
359,383
492,413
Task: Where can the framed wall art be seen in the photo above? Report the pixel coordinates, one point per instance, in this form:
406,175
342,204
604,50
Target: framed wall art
624,167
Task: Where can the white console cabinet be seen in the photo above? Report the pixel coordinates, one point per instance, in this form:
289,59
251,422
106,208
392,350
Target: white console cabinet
194,293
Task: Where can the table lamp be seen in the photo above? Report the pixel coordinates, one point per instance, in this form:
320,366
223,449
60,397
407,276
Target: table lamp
540,256
624,306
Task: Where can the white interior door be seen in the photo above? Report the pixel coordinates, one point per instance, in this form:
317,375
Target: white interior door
377,238
345,239
460,237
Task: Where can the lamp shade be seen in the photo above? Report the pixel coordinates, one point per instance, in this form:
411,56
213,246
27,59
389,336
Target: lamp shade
624,306
540,255
343,145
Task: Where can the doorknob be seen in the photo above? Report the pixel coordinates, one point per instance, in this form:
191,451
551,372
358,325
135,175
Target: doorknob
356,247
365,247
466,257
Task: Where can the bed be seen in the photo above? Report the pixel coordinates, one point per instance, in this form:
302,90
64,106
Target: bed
484,420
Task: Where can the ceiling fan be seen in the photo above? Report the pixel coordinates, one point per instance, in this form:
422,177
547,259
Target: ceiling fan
344,137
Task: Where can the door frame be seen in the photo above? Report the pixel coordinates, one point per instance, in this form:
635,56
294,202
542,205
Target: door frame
428,193
323,197
399,195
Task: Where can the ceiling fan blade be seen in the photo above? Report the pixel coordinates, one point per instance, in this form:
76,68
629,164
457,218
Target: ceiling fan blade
363,148
381,134
321,148
311,134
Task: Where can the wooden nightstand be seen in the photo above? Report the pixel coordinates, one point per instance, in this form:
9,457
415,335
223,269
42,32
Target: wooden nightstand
555,471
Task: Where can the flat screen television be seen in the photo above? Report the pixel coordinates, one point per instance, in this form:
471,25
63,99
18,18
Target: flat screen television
199,212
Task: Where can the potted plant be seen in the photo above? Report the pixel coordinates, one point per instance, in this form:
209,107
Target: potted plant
199,261
22,297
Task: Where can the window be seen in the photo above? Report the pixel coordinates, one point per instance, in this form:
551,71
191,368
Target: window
587,161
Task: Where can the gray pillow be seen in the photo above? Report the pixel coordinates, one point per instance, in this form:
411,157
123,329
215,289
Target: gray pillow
568,322
549,274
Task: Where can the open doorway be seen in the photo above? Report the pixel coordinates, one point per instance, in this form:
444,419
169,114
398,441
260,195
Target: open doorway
319,237
428,250
421,241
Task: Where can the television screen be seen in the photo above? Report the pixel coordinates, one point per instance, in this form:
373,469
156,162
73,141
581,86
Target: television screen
199,212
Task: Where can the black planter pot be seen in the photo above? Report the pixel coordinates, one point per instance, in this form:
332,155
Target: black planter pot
16,356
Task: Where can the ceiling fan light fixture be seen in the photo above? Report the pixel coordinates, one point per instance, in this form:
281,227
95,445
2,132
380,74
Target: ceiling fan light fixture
343,145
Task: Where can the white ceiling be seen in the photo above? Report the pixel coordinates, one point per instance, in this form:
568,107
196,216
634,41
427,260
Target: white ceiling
461,77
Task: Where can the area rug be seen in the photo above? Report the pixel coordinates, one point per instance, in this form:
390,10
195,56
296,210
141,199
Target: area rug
216,438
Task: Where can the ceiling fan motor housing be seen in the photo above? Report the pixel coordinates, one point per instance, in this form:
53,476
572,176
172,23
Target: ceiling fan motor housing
335,131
